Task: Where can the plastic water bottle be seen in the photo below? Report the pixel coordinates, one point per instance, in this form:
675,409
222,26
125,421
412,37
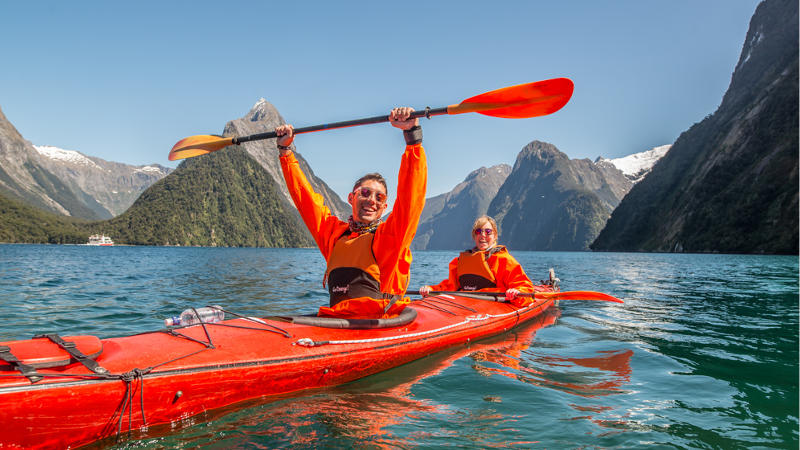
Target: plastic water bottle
205,314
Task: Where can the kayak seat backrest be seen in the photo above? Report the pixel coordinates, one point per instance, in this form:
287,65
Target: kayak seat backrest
405,317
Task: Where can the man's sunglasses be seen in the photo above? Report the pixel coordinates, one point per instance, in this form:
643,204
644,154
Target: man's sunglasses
486,231
366,193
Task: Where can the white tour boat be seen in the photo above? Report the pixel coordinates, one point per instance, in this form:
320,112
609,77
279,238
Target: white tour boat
101,240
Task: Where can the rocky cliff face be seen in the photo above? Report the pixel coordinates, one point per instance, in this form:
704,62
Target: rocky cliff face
111,185
550,202
23,177
729,183
447,219
263,117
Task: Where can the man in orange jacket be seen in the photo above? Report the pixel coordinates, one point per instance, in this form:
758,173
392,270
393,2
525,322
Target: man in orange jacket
368,259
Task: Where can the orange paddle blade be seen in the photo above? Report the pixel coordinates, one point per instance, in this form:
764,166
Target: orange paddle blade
520,101
576,295
198,145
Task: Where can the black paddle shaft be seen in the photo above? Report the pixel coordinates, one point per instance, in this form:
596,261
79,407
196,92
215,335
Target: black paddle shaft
427,112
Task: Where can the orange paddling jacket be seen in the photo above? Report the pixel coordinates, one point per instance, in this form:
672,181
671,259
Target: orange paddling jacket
379,262
491,270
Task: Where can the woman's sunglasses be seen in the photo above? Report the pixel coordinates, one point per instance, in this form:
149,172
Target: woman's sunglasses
366,193
486,231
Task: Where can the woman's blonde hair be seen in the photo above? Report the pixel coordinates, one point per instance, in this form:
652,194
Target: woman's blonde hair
480,220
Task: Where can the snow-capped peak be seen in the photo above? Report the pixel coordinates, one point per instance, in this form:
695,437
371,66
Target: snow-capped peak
148,169
59,154
637,165
260,102
261,110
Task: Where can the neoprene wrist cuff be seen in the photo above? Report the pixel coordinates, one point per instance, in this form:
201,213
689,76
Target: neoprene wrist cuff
413,135
286,147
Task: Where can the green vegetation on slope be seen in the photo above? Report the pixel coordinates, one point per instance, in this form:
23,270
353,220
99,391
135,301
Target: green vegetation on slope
222,199
20,223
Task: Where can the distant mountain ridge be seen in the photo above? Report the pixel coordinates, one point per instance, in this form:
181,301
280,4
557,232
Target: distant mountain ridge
23,177
67,182
224,199
593,189
112,185
730,182
447,218
233,197
551,202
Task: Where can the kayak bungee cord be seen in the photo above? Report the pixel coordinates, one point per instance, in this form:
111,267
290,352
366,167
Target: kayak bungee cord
431,305
443,299
253,319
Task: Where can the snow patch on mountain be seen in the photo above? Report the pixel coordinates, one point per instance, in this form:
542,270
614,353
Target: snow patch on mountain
637,165
149,169
69,156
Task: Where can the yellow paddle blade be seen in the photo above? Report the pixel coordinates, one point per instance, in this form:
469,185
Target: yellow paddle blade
519,102
198,145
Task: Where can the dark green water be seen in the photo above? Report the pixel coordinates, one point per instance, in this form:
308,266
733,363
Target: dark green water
703,354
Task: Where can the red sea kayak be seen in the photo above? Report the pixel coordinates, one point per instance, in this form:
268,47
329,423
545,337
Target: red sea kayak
132,383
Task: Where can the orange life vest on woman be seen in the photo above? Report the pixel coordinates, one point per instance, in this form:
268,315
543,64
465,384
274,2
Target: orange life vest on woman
473,269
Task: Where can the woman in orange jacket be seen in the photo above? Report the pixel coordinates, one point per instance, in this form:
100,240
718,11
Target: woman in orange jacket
486,267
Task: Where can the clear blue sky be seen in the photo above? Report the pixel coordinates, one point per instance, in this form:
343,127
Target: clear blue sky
125,81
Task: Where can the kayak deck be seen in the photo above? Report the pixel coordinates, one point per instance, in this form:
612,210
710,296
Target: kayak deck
171,375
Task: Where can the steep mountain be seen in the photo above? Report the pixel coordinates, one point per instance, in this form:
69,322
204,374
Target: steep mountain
264,117
23,177
446,220
222,199
228,198
730,182
109,188
637,165
550,202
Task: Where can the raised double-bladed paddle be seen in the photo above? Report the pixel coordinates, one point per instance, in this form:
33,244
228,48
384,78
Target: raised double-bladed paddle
565,295
514,102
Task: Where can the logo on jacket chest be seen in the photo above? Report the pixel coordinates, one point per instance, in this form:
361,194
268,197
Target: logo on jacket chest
340,289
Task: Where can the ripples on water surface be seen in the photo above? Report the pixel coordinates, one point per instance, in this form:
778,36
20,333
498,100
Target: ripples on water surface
704,353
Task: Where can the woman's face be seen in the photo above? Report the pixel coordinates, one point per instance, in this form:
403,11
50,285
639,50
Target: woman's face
485,236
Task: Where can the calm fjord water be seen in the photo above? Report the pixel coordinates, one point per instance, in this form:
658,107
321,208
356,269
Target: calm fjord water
704,352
